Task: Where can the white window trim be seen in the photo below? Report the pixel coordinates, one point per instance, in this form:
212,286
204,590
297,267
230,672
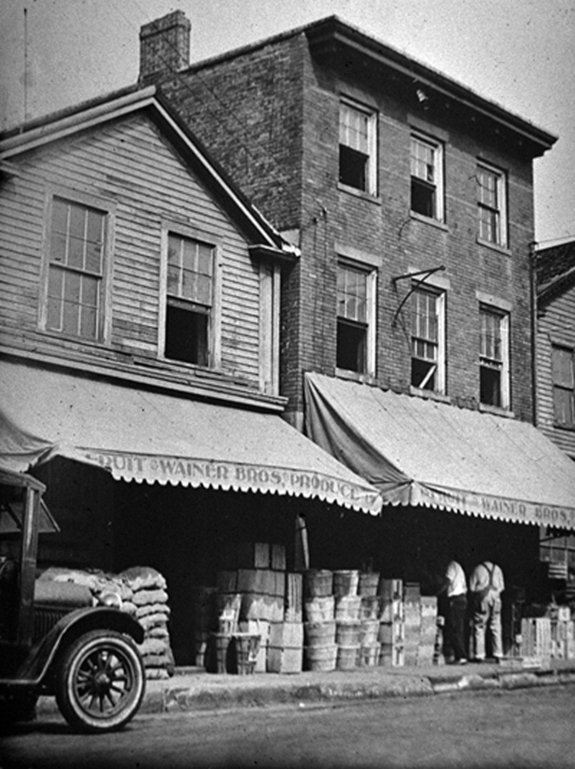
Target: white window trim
269,327
107,207
371,181
214,332
371,313
438,147
505,351
502,241
441,379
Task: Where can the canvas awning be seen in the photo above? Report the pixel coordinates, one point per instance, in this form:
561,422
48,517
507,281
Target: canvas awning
423,452
148,436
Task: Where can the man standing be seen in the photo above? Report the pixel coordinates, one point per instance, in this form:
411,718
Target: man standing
486,585
455,586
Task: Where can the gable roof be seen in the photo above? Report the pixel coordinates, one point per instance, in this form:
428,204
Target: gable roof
555,269
265,238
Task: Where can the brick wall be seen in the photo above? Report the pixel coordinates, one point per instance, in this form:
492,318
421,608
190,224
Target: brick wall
270,116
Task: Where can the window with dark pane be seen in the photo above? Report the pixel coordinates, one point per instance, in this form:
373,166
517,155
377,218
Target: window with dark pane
424,178
424,340
491,358
75,271
563,370
189,300
352,324
489,194
355,147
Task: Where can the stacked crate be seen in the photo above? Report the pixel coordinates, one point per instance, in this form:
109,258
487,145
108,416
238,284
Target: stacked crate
412,623
428,631
347,618
285,648
392,627
536,637
370,610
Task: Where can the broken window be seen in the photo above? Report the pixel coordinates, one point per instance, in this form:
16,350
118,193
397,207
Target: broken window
427,340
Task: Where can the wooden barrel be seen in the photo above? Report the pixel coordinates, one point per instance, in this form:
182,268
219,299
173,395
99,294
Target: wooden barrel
369,655
345,582
369,632
347,657
247,646
368,583
319,633
318,583
320,609
370,606
347,633
321,658
347,607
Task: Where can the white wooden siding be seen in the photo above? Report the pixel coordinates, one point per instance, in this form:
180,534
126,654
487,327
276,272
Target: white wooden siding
130,164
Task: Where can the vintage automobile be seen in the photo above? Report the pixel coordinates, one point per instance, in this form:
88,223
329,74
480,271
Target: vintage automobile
53,640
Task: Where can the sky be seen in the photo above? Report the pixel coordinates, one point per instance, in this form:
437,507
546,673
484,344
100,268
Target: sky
518,53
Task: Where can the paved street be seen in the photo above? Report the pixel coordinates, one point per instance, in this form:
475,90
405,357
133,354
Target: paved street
521,728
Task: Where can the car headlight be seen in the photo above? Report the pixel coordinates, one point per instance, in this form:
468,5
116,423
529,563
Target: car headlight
112,600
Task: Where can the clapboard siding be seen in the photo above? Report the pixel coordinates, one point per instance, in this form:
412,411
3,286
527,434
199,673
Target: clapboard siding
556,325
129,165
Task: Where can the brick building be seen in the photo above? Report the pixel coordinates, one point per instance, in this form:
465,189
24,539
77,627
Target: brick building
407,325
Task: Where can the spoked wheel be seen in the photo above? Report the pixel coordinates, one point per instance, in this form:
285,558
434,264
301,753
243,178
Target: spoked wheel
100,681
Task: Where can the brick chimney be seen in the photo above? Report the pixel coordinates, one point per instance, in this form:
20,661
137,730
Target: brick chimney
164,46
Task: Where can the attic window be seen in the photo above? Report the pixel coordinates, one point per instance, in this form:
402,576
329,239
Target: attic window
189,300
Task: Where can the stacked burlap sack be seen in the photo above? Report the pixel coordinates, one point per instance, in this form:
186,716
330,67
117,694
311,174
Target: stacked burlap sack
141,592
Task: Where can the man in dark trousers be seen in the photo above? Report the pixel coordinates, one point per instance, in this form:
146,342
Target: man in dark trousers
455,587
486,585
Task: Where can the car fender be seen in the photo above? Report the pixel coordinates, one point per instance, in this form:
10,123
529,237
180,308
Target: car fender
37,666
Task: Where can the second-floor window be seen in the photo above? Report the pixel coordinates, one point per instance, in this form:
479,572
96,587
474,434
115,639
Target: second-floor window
355,319
494,358
75,270
426,177
563,368
357,147
189,300
491,201
428,340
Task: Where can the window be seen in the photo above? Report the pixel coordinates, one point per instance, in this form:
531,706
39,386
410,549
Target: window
494,358
189,300
357,147
428,340
356,319
426,177
492,205
563,367
75,270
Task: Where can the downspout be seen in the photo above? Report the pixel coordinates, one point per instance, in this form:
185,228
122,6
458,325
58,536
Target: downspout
533,301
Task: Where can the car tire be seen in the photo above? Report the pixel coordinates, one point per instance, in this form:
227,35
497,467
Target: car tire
100,681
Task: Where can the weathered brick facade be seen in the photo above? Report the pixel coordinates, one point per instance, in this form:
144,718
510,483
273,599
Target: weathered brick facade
270,112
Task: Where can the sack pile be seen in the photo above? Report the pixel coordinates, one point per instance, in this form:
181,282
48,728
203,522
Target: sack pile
142,593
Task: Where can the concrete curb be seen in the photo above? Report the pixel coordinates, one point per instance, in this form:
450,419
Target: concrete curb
183,693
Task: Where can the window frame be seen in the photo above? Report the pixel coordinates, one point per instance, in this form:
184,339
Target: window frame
371,186
441,343
214,320
563,387
370,273
108,209
501,239
504,368
438,149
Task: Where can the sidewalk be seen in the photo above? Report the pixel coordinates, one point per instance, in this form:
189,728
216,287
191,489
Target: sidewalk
192,689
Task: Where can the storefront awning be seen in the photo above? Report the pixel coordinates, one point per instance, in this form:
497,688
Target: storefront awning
423,452
144,436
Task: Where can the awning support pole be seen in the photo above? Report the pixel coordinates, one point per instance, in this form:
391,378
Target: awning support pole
425,273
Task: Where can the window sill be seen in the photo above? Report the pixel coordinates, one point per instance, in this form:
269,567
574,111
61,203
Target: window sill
355,376
429,220
496,411
79,340
359,193
429,395
567,428
503,250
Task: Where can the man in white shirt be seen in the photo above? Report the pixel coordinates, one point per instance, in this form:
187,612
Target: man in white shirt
486,585
456,587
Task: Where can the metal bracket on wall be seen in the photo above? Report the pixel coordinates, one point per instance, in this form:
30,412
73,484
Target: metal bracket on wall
426,274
